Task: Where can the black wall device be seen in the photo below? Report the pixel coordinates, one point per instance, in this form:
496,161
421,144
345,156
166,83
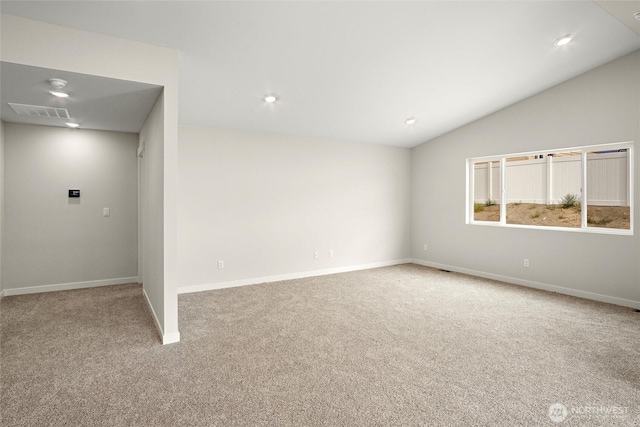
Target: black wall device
74,193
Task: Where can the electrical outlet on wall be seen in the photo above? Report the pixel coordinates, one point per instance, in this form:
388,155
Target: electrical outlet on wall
526,262
316,255
220,264
331,254
425,247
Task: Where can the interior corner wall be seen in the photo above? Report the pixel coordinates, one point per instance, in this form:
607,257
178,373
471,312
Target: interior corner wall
265,203
600,106
100,55
1,201
152,197
52,241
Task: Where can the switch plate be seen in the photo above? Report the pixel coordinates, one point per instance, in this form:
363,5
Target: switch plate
106,212
425,247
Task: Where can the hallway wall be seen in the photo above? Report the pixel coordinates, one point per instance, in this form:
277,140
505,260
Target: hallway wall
56,242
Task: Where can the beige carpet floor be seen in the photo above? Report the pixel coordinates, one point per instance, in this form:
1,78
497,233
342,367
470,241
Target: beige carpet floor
397,346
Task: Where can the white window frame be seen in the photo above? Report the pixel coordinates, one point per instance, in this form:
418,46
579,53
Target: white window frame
584,228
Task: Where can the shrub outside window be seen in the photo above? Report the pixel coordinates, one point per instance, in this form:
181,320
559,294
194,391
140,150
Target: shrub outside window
586,188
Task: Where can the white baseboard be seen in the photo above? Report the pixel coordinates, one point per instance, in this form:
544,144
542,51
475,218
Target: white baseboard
278,278
166,338
536,285
171,338
68,286
156,322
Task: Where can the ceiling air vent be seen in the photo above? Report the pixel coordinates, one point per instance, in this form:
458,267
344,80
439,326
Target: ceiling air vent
40,111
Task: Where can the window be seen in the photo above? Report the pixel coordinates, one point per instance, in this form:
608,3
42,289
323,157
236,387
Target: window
486,179
584,188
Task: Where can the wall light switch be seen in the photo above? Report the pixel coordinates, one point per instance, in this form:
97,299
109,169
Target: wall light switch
106,212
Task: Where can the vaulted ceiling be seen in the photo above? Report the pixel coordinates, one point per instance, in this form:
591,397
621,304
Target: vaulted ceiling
355,71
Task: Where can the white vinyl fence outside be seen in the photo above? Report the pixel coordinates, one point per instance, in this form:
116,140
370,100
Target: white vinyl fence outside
548,180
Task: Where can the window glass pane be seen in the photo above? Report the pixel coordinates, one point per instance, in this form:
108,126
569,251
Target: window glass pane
581,188
608,202
486,192
544,189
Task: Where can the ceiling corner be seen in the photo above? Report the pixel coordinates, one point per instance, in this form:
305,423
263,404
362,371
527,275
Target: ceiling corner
623,11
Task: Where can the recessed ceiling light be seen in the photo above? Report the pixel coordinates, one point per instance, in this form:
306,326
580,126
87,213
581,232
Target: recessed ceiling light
59,93
410,121
270,99
564,40
58,85
73,125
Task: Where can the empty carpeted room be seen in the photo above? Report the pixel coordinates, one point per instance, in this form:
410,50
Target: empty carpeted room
372,213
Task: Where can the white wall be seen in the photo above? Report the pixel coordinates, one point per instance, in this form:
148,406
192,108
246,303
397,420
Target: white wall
600,106
265,203
51,239
100,55
152,218
1,201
